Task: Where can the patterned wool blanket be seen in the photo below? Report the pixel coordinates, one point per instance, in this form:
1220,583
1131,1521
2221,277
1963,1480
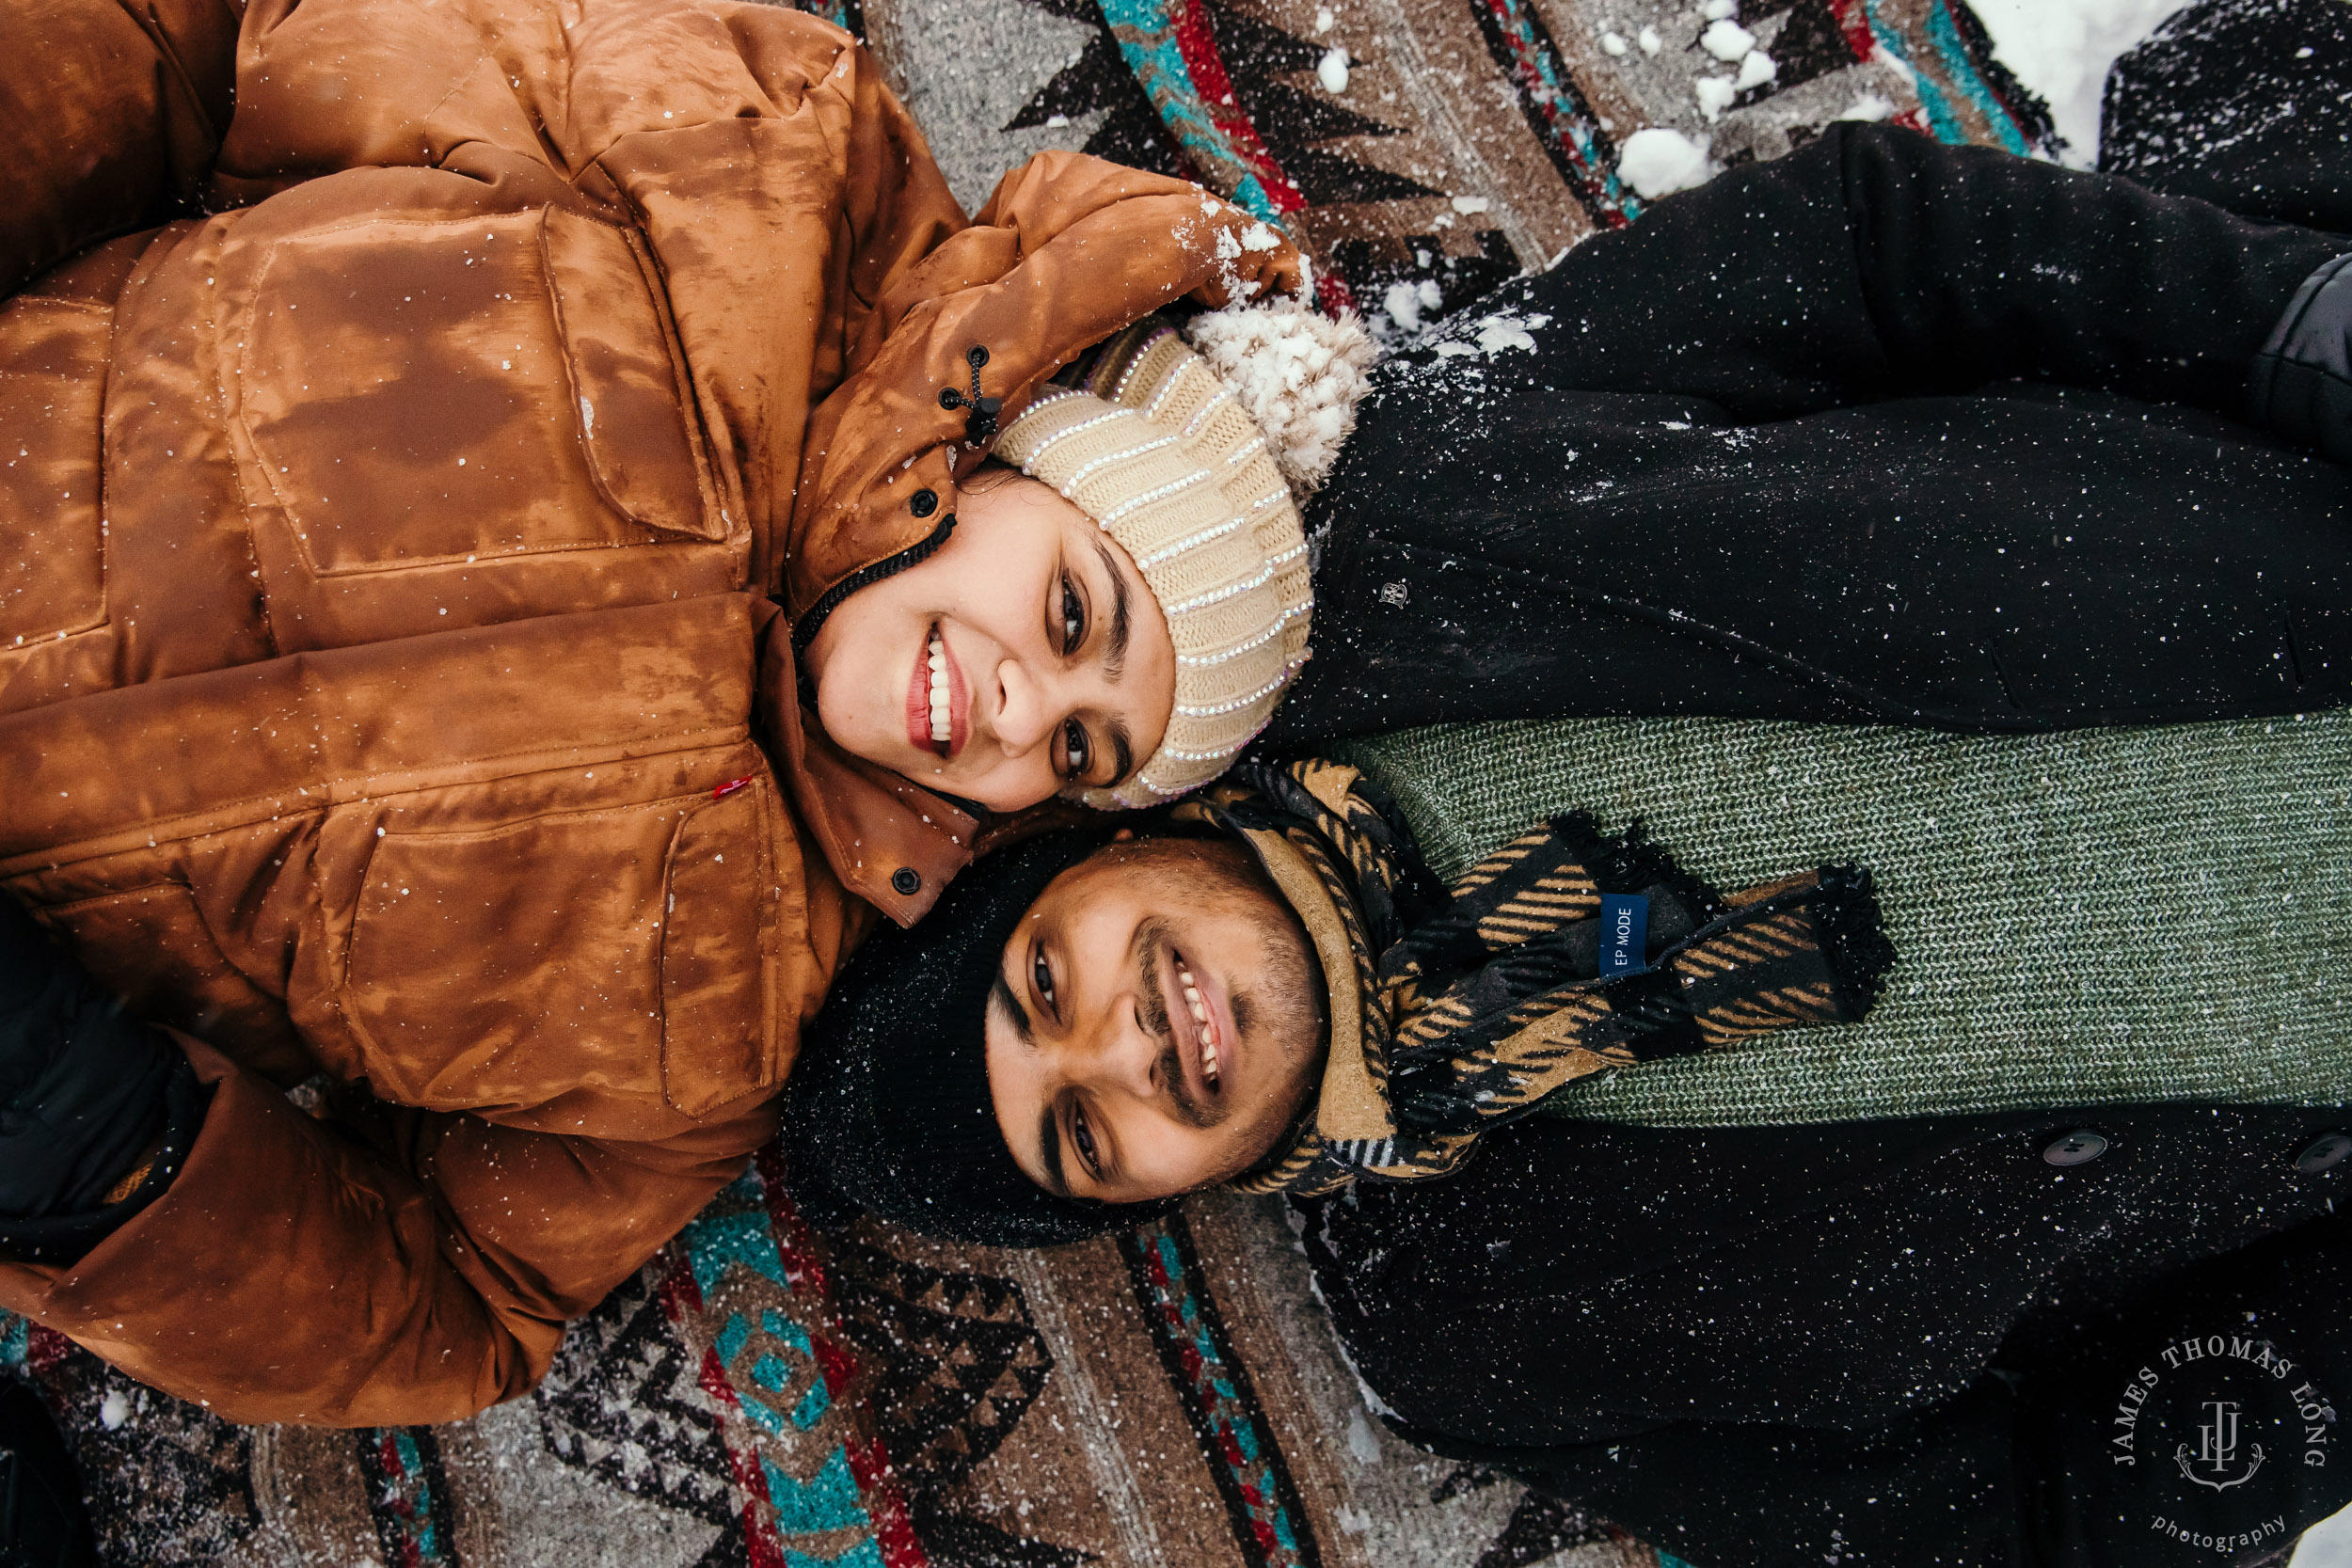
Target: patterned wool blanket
1173,1398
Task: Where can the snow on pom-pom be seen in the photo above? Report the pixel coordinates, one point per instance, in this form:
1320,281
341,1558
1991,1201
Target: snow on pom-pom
1296,372
1658,162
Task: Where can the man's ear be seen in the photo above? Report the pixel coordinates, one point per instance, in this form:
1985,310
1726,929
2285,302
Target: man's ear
1123,835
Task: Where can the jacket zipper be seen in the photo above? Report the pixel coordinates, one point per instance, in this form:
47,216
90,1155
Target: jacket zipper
804,631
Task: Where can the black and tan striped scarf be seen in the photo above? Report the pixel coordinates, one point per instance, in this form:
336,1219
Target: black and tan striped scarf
1452,1014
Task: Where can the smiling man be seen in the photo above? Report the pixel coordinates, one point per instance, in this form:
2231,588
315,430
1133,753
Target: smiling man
1760,1345
1154,1024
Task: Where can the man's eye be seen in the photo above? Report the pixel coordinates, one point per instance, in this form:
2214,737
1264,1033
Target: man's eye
1043,980
1073,618
1082,1136
1077,750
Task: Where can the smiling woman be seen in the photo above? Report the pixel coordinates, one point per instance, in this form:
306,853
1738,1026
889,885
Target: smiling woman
1024,656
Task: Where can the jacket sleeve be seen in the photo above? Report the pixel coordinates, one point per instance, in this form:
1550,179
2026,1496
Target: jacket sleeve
109,118
2024,1470
410,1268
1879,263
1066,251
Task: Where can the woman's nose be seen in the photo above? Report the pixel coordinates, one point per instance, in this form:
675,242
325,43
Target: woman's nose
1024,710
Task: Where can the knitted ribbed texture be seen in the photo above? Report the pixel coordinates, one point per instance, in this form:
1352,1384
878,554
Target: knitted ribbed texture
2091,917
1157,452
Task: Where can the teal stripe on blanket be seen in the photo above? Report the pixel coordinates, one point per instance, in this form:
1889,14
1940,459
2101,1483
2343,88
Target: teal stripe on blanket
2097,917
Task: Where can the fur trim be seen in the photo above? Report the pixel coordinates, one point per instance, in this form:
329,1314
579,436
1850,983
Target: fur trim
1297,373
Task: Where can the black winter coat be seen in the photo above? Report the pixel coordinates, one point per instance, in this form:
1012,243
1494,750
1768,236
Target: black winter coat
1912,1344
1879,430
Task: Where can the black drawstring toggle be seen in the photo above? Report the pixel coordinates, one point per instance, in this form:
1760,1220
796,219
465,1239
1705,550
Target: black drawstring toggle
979,426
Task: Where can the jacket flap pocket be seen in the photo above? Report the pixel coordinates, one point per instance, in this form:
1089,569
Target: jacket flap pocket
630,390
500,967
717,941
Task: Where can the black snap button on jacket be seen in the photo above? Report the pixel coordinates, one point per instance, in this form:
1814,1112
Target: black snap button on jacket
907,880
922,503
2079,1147
2325,1152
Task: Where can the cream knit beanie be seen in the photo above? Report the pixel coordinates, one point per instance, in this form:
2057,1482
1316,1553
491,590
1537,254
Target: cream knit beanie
1159,450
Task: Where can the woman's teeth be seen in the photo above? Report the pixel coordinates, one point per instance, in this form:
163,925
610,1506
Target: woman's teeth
941,729
1201,1018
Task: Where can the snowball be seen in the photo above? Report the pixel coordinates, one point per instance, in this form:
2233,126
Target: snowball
1756,69
1332,71
1613,44
1508,329
1726,40
1715,94
1659,162
1649,40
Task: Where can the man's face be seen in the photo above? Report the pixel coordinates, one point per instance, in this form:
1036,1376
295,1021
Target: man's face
1155,1025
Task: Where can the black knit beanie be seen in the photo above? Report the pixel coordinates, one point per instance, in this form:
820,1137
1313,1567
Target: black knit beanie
887,1108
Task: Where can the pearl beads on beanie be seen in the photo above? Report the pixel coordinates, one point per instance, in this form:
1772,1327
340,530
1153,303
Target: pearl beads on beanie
1162,454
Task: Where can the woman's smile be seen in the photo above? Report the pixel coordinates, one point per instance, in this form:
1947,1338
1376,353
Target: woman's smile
939,698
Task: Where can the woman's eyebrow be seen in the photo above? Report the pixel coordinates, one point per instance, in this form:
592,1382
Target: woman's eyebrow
1122,751
1122,622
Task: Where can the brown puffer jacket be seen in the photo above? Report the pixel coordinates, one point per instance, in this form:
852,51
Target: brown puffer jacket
390,683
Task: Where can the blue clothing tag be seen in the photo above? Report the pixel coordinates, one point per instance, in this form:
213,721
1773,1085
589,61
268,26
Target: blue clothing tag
1624,934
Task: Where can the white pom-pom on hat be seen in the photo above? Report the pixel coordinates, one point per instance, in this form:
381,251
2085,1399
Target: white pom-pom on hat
1297,373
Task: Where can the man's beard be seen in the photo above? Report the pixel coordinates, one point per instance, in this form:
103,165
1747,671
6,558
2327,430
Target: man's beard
1291,1008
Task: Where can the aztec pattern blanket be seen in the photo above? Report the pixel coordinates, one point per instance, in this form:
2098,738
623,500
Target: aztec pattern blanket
759,1396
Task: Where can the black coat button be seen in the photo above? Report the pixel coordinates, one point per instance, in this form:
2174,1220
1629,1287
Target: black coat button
922,503
907,880
975,357
2079,1147
2326,1152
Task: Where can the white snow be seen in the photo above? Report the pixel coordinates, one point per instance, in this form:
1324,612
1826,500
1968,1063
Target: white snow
1869,105
114,1410
1755,70
2062,50
1332,71
1469,205
1661,161
1715,95
1613,43
2327,1544
1649,40
1727,41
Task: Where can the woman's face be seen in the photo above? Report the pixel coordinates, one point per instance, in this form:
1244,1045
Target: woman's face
1027,654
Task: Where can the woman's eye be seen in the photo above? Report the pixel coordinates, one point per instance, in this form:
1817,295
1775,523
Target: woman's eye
1082,1136
1077,751
1073,618
1043,980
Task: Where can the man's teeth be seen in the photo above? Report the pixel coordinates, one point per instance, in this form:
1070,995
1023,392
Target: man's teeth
1201,1016
941,729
